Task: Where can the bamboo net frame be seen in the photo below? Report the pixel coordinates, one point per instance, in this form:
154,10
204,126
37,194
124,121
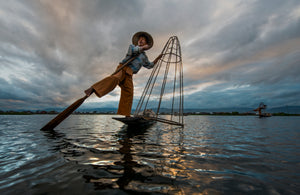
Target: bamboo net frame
164,89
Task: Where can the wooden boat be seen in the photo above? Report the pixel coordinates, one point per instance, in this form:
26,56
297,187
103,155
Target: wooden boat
145,121
265,115
135,121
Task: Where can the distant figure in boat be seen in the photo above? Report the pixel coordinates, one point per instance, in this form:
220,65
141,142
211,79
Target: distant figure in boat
261,109
141,41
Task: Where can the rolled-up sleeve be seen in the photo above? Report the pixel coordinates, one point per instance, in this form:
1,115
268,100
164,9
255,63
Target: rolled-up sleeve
133,50
148,64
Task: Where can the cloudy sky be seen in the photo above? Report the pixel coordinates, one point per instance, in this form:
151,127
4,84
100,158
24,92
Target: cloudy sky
235,53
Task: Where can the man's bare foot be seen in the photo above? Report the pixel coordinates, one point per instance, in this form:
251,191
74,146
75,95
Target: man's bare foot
89,91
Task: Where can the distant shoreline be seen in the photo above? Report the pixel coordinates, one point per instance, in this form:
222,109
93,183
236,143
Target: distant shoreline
111,113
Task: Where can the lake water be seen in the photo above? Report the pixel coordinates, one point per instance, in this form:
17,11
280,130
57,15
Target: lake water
94,154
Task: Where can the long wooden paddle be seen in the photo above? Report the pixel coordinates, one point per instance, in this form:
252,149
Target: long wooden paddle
64,114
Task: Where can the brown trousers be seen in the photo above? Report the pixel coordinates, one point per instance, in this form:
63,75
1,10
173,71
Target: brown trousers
124,79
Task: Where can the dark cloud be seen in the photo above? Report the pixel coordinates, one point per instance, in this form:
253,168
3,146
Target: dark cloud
233,52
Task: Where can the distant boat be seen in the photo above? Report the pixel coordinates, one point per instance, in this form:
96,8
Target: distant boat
261,110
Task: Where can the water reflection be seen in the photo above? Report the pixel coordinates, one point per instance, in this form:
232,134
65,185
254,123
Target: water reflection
95,154
144,161
119,173
155,159
127,162
132,172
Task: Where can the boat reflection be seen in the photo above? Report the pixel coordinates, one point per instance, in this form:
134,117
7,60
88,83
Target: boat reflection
136,159
127,161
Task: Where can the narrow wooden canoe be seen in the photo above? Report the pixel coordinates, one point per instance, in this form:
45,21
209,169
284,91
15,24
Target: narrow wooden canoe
135,121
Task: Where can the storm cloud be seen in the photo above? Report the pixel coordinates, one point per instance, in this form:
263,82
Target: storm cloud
235,53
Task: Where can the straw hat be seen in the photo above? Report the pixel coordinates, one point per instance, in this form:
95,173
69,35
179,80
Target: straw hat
136,36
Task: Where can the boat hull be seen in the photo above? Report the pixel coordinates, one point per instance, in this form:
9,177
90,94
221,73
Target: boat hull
135,121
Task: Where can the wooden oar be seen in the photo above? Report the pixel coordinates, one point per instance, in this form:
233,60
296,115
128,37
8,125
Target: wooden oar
64,114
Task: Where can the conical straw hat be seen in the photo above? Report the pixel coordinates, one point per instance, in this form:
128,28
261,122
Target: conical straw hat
136,36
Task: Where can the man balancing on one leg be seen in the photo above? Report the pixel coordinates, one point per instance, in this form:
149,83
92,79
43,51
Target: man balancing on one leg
141,41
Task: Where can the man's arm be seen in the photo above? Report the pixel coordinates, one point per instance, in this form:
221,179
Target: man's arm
151,64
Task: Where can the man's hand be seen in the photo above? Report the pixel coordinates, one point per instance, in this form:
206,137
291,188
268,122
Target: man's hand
158,57
145,47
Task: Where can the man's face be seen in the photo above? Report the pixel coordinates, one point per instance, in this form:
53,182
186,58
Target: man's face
142,41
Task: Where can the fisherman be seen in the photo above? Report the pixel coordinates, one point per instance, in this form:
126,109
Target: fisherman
141,41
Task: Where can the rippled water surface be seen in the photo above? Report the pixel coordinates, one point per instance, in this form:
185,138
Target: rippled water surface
94,154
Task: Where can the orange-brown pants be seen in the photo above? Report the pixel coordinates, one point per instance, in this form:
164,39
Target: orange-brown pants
124,79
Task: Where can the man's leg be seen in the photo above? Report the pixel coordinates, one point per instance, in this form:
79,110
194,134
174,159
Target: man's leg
106,85
126,98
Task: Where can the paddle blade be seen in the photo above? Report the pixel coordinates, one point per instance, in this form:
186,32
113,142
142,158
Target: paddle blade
63,115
